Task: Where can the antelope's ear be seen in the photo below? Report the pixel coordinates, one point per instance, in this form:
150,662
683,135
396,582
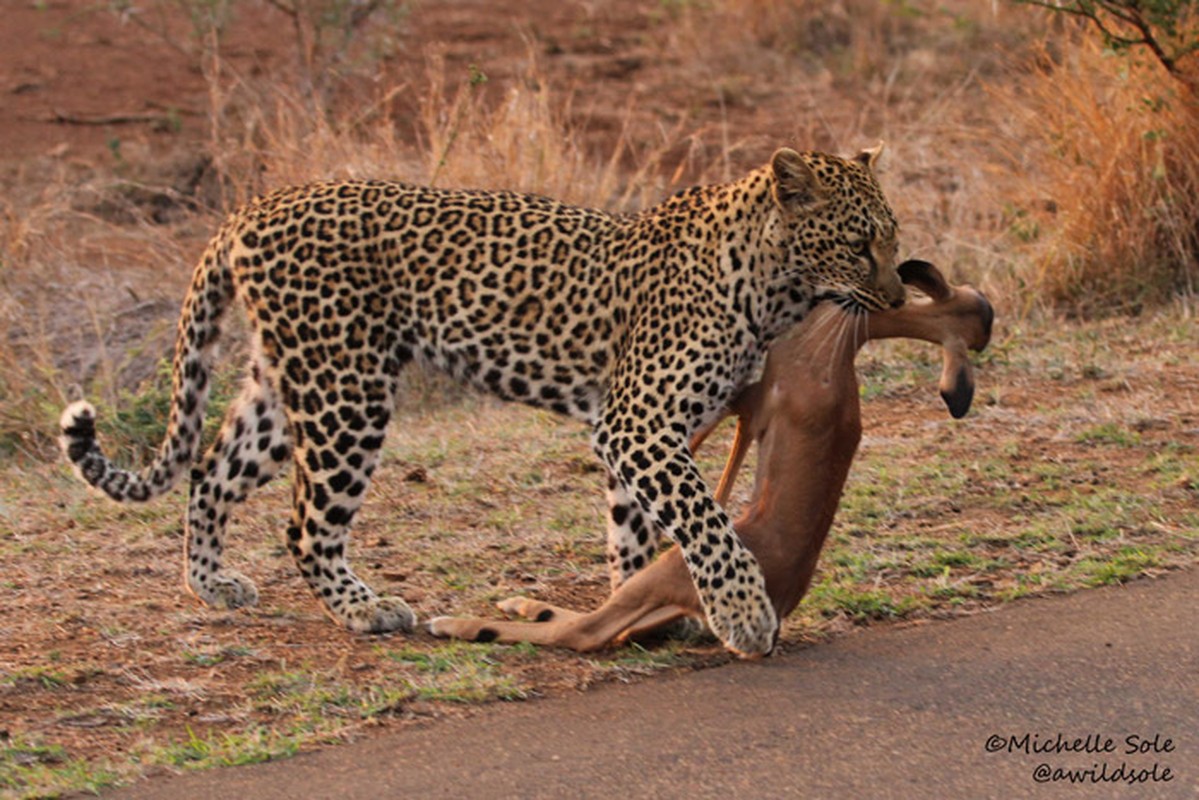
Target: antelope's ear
868,158
796,186
925,277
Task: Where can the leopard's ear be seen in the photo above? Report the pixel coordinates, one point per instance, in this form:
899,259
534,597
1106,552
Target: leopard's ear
796,186
868,157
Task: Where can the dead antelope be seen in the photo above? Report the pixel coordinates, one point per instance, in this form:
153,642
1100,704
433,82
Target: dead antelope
806,417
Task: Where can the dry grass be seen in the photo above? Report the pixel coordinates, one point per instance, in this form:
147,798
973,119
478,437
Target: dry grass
909,74
1106,149
1103,196
468,133
92,239
524,138
86,293
856,36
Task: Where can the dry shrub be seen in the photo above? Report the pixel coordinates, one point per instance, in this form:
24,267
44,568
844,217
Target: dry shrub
86,279
468,133
523,140
266,137
25,364
1106,146
860,41
852,73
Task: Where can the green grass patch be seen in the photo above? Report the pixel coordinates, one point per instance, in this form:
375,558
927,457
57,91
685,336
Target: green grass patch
45,677
1127,564
941,562
639,660
857,564
315,701
211,656
1036,537
30,770
228,749
458,672
831,598
1109,433
1174,466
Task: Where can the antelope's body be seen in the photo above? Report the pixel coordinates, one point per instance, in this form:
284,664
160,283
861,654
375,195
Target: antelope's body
806,416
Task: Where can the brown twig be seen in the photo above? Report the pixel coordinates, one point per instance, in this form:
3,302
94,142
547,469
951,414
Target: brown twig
130,118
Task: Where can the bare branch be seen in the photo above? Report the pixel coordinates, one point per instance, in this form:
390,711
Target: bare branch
1131,15
121,118
287,8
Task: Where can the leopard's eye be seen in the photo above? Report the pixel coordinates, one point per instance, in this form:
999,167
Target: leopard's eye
860,248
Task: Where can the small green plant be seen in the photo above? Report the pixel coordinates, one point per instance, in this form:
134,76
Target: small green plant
832,598
457,672
210,657
1109,433
252,746
114,147
138,423
45,677
1022,225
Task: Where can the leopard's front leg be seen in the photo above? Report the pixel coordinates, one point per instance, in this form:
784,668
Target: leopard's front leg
650,459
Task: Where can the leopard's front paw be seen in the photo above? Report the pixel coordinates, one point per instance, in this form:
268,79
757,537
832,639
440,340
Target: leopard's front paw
380,615
752,638
687,629
747,626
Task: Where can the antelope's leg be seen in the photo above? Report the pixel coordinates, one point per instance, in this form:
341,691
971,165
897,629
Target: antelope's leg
659,594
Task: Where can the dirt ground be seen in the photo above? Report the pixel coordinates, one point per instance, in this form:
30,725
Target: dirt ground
1077,467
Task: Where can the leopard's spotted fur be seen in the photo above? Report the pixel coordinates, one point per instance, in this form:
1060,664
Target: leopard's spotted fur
641,325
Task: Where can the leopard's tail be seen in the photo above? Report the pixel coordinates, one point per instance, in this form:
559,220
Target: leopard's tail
207,299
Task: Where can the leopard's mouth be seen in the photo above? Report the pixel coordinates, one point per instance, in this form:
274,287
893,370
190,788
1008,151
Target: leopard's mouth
856,301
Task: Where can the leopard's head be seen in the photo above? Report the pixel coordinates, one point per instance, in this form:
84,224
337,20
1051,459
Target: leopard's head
840,233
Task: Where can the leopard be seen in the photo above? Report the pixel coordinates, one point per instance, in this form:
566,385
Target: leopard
642,325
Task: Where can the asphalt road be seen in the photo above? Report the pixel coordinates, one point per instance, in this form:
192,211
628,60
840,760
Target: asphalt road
931,711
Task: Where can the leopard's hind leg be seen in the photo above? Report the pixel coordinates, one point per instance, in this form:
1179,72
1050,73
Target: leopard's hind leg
632,540
337,448
252,446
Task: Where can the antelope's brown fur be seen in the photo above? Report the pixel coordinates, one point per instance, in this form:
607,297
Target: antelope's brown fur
805,415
